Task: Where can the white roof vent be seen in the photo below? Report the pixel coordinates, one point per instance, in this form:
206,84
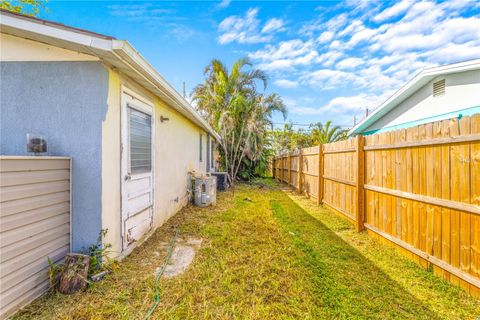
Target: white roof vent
439,88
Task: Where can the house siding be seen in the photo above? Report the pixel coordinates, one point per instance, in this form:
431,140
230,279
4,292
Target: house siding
461,96
66,102
35,224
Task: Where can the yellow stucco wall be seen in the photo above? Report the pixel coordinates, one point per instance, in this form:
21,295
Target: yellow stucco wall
18,49
176,142
176,152
111,200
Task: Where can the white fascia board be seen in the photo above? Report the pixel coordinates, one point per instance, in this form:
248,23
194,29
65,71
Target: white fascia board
64,34
410,87
116,48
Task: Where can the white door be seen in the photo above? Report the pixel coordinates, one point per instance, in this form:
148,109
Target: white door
137,169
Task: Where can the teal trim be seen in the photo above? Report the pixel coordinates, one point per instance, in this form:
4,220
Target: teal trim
455,114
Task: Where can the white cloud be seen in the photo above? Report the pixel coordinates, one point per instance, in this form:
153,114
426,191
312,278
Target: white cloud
328,79
328,58
372,50
325,36
285,55
335,44
246,29
395,10
349,63
354,104
241,29
285,49
352,28
361,35
223,4
155,17
300,106
273,25
337,23
284,83
413,36
280,64
454,52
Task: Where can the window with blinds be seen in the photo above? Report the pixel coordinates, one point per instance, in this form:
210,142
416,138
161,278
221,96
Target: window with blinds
140,129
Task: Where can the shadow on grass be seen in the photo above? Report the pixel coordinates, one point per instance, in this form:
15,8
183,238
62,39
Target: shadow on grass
344,282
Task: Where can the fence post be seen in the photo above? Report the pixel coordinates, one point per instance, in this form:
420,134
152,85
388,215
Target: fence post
280,167
300,170
273,168
277,168
359,225
320,175
289,160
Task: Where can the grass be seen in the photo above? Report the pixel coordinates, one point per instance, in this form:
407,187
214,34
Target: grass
266,254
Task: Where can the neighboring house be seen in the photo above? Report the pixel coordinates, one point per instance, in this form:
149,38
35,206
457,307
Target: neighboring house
132,137
434,94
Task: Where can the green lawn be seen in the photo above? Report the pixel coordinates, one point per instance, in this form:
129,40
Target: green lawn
266,254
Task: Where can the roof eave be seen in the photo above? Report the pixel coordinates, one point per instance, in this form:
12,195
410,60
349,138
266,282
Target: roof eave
108,49
126,51
409,88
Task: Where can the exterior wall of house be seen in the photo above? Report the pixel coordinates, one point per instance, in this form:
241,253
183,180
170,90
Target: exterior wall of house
176,153
65,102
19,49
75,102
461,97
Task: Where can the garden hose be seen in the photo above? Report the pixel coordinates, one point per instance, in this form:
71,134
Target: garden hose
156,296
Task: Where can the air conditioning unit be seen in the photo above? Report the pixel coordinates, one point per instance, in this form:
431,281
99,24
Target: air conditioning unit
204,191
222,180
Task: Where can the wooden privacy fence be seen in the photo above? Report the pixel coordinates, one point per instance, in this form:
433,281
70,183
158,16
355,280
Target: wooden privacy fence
34,224
418,188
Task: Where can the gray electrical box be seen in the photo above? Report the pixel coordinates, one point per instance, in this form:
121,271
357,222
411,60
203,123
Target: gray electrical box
205,191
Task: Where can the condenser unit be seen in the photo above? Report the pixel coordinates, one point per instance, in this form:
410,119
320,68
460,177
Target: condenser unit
205,191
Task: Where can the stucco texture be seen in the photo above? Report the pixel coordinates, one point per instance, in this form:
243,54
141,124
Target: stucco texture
66,102
176,152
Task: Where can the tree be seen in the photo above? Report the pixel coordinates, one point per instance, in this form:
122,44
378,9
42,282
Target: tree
232,105
26,7
325,133
288,139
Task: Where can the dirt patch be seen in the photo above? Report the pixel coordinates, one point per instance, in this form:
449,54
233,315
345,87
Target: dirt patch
182,256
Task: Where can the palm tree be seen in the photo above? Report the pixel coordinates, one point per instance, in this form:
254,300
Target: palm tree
230,102
325,133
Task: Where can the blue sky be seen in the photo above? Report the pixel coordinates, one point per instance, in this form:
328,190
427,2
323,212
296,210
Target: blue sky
327,59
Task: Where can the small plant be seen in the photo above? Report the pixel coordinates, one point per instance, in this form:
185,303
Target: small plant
95,253
54,272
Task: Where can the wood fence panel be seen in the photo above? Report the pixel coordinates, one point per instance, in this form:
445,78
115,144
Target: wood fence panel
310,171
446,171
340,177
419,189
464,162
475,199
284,169
446,226
295,159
